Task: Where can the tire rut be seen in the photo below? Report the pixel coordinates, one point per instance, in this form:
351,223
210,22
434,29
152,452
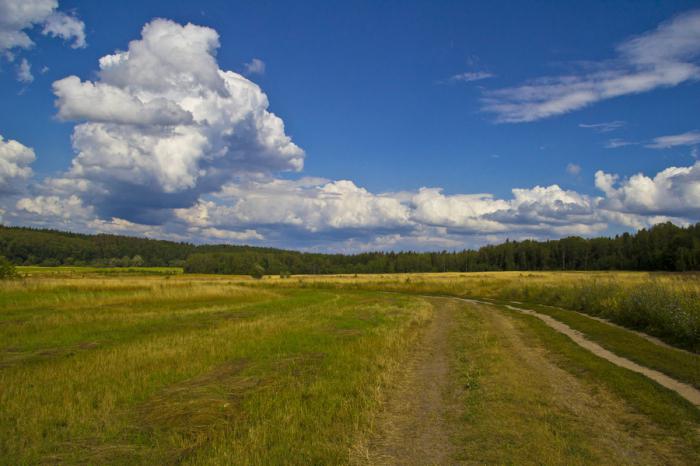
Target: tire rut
685,390
413,429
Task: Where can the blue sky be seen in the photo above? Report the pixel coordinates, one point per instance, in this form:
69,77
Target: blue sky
406,124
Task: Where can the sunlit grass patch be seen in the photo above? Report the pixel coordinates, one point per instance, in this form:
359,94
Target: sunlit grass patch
152,370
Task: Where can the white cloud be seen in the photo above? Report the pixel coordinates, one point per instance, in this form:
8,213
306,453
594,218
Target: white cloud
573,169
18,16
307,204
24,72
15,161
66,27
338,215
604,127
616,142
470,76
98,102
320,206
685,139
256,66
67,208
673,192
664,57
467,212
228,235
170,146
164,125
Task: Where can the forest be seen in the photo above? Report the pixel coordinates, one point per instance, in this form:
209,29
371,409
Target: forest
664,247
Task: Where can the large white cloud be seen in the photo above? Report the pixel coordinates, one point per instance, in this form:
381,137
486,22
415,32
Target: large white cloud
308,204
168,145
163,124
15,161
462,211
664,57
319,214
321,209
674,191
19,16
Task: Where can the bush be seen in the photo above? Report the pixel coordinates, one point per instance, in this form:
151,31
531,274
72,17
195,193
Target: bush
7,269
257,271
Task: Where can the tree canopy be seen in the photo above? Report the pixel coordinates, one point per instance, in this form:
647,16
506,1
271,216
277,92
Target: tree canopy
662,247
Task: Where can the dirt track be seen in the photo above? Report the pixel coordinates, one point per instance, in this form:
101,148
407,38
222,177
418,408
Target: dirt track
688,392
412,429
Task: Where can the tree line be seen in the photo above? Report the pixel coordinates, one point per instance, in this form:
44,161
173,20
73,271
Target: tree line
662,247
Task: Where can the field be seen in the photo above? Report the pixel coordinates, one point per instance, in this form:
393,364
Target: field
149,366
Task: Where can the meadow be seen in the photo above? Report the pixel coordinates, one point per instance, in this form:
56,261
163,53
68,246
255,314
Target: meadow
152,366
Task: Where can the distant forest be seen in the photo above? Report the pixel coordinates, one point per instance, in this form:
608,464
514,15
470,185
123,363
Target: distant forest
662,247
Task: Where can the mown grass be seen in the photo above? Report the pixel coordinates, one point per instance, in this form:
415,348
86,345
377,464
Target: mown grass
666,305
679,364
152,370
531,396
161,369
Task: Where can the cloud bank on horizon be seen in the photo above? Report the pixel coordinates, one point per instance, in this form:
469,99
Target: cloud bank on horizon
169,145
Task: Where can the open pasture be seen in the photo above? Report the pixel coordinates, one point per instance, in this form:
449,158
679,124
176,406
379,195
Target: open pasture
198,369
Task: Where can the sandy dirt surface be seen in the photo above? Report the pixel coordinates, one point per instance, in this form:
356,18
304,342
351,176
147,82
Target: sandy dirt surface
412,429
688,392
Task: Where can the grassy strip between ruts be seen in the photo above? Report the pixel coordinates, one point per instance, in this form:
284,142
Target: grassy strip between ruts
295,383
681,365
532,396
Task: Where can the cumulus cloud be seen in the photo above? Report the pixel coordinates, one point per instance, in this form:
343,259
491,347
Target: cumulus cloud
17,17
15,161
99,102
308,204
227,235
664,57
344,211
65,27
163,125
673,192
46,207
170,146
690,138
465,212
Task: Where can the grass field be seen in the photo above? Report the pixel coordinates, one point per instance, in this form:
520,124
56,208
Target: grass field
151,367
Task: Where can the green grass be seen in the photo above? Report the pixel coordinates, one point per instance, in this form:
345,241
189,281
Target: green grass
66,270
666,305
128,368
523,405
195,372
678,364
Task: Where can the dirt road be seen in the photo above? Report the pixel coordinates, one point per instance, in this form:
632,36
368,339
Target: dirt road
412,429
521,406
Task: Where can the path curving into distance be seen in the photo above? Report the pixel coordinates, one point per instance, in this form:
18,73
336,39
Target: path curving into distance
687,391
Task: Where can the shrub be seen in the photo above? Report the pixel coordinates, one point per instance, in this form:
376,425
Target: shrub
257,271
7,269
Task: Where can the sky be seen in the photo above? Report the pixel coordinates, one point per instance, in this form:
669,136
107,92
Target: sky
349,126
